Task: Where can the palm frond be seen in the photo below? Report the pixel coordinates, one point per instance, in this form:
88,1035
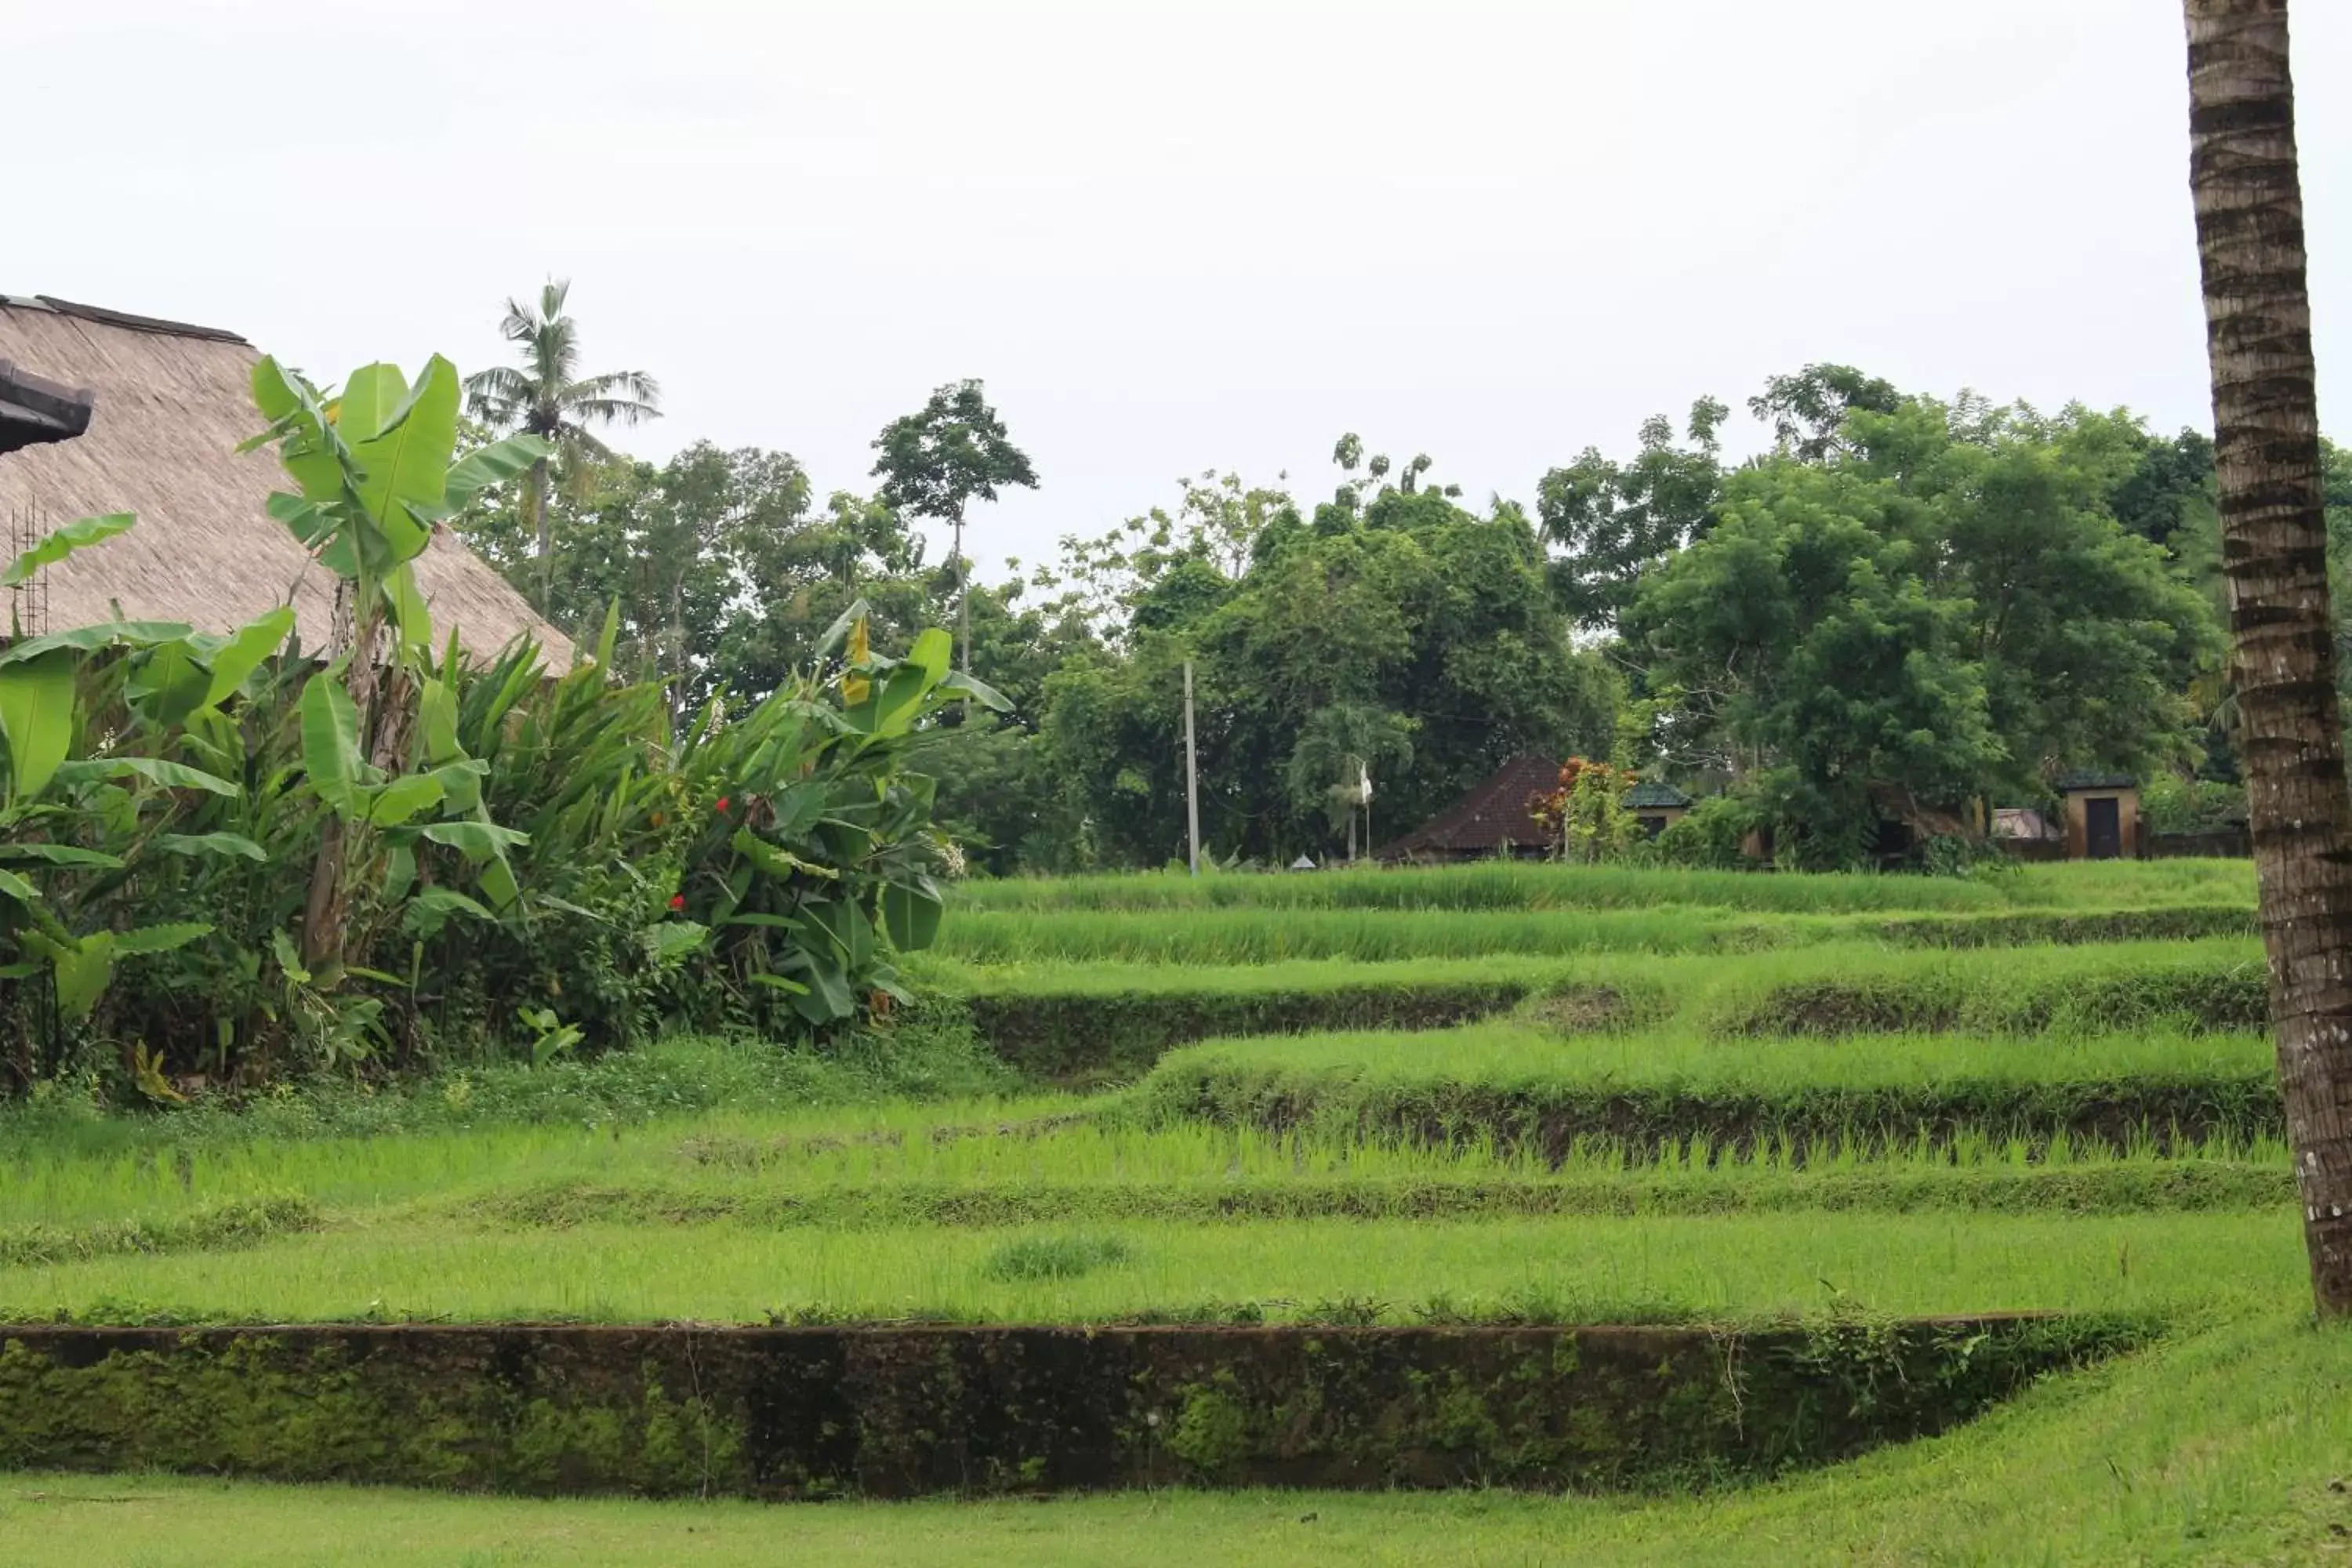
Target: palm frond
499,395
618,387
608,411
517,324
579,445
554,353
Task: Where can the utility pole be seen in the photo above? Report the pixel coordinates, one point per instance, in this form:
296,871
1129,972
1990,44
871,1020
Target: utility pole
1191,779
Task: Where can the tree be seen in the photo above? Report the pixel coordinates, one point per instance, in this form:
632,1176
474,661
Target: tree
1805,633
2087,638
1807,411
2248,196
1341,749
2169,490
547,398
938,460
1396,632
1616,522
1963,554
1163,568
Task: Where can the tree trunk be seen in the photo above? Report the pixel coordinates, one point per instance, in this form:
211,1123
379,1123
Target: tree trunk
678,651
2242,172
536,491
963,601
964,610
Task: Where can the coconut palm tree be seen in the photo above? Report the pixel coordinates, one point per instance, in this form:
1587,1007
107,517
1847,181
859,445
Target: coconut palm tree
2249,200
549,397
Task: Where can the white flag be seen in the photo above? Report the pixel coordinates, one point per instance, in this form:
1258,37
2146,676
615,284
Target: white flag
1364,783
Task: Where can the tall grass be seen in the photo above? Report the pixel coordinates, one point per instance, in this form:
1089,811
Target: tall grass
1732,1266
1239,935
1804,1100
1511,1053
1097,1022
1520,885
1002,1161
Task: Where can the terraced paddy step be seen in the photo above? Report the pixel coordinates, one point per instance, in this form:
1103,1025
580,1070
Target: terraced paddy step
1081,1022
1521,1090
787,1413
1398,1270
2123,1186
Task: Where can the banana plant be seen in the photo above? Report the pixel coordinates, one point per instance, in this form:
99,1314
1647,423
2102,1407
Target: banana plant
374,476
820,847
73,828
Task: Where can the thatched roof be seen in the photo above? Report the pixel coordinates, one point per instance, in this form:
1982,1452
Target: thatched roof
172,402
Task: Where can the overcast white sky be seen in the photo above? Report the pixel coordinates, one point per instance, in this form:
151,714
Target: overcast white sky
1170,237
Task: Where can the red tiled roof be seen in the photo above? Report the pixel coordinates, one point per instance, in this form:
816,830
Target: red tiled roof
1489,816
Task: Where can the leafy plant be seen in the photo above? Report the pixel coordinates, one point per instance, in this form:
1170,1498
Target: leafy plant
818,846
1584,816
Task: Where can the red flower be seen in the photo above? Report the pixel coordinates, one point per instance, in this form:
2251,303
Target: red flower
722,806
678,901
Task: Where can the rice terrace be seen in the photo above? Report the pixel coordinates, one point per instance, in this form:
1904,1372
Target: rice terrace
1875,1229
1776,994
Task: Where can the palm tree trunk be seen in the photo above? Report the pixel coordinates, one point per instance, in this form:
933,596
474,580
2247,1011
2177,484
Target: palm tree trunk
2242,173
539,530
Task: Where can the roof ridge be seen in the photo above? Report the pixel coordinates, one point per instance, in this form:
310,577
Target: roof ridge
125,319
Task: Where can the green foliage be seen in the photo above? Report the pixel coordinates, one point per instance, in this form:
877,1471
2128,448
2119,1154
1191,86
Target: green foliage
1712,835
952,451
473,852
2171,804
1055,1257
1396,628
1585,816
1615,523
1940,610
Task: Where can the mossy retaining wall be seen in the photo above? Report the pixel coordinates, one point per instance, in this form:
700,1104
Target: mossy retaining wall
901,1412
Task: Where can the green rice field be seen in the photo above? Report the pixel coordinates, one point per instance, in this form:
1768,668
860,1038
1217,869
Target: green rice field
1486,1094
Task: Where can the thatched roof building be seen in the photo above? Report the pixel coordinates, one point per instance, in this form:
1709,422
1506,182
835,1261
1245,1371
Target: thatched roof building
171,404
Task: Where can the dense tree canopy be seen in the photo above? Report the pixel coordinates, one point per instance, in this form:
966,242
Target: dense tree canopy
1902,608
1941,609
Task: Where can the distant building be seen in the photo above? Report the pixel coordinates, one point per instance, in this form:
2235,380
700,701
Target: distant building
2025,825
1491,819
1656,807
2102,814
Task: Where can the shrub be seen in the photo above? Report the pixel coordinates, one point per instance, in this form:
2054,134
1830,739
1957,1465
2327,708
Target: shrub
399,856
2174,805
1711,837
